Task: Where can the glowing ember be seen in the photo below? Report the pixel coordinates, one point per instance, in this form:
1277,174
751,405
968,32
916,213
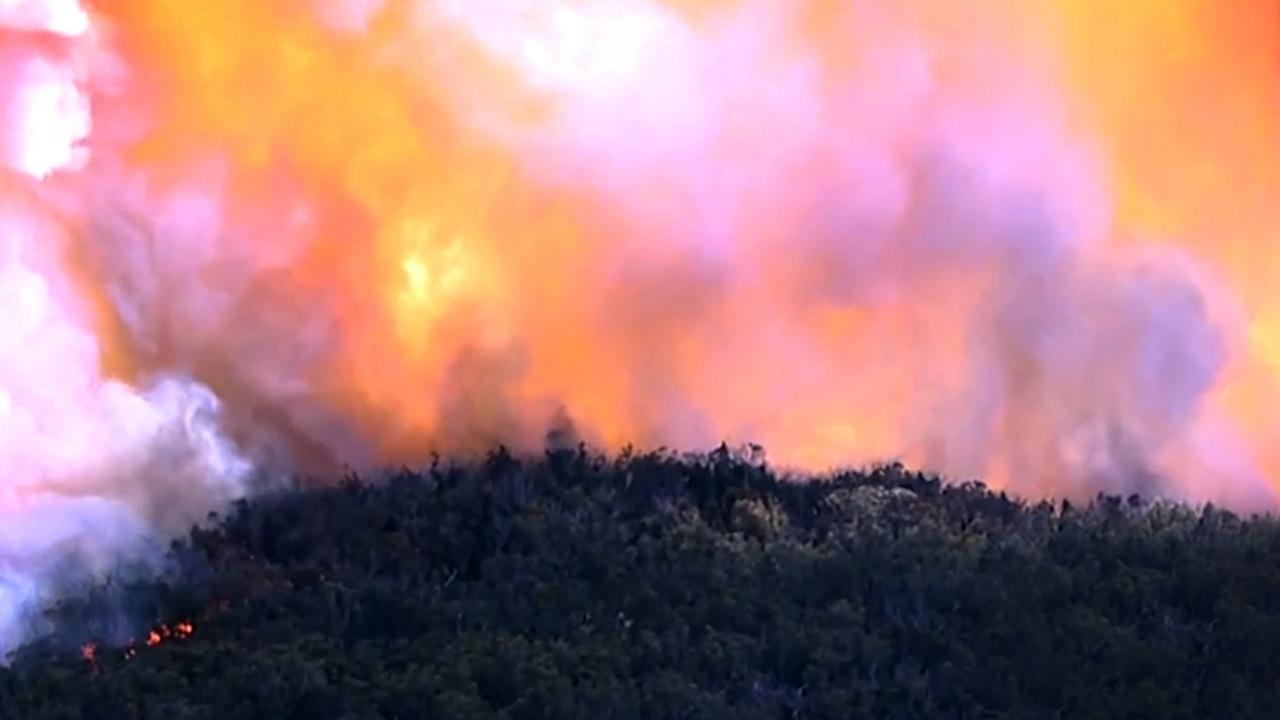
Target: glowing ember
156,636
163,633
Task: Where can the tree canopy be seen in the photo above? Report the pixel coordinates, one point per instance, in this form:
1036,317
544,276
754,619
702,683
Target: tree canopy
661,586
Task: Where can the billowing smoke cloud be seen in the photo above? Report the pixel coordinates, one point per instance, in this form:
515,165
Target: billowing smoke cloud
91,468
245,237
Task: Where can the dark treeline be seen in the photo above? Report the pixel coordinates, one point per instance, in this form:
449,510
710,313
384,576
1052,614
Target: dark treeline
656,587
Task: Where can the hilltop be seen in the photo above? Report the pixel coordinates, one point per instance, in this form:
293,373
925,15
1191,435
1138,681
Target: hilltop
661,586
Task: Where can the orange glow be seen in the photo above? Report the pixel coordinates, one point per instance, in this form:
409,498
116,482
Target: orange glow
1186,98
848,231
164,633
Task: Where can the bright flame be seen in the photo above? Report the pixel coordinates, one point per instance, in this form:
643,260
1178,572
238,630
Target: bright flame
163,633
1024,239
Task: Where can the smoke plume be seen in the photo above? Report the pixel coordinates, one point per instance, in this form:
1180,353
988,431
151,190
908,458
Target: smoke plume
1022,240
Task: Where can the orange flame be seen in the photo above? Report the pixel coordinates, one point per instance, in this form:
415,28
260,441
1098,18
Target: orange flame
847,231
164,633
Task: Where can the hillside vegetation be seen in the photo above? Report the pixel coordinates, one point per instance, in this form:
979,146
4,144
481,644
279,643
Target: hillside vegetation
665,587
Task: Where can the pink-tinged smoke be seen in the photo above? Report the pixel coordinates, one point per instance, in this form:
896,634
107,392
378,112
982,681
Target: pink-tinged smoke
247,238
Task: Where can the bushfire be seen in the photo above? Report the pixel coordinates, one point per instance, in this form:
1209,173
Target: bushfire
157,635
1030,241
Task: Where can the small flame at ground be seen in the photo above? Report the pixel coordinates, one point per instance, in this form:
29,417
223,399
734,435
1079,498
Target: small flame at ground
164,633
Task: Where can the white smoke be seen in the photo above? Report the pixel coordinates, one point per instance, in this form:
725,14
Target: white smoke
93,471
932,182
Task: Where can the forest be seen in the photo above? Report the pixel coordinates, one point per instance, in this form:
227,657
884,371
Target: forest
666,586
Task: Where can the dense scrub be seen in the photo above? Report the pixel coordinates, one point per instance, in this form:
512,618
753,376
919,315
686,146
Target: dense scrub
654,587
